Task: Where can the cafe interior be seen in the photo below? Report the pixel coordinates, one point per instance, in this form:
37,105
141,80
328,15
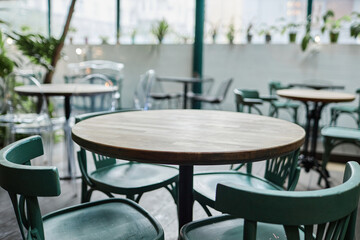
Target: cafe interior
192,120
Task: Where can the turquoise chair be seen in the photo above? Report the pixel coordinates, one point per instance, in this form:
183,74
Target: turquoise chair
105,219
247,98
131,179
267,214
352,111
276,105
333,137
277,171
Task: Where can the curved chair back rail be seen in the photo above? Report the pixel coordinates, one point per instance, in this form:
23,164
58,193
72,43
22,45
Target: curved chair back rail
163,176
333,210
19,178
223,89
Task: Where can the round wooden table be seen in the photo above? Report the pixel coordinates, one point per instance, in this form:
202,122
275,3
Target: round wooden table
318,98
67,91
187,138
186,81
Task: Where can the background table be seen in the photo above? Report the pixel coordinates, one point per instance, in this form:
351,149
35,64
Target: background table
67,91
319,98
187,138
316,86
185,81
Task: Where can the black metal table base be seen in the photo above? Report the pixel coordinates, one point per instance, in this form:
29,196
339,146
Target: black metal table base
186,198
308,160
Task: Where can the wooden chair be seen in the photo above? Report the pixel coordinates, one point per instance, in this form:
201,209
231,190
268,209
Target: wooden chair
247,98
277,171
276,105
268,214
128,178
352,111
333,137
105,219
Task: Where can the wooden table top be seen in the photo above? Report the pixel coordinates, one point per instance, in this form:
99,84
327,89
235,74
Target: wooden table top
315,95
188,137
65,89
317,86
183,79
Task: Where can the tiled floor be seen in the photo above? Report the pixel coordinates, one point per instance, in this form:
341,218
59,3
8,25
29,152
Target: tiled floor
159,203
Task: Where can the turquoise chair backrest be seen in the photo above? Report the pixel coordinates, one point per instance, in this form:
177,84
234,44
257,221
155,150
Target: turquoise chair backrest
99,160
279,169
241,94
25,183
276,85
322,214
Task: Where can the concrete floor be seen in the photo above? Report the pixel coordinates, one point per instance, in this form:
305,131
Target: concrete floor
159,203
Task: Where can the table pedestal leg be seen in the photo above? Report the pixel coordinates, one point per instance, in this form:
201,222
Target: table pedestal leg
308,159
186,199
185,95
68,141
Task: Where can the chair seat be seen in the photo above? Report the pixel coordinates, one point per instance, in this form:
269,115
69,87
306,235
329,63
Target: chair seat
347,109
279,104
159,96
208,99
133,178
252,101
205,184
225,227
107,219
341,133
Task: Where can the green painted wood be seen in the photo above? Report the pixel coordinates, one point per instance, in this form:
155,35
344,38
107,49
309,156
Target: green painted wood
277,171
329,211
106,219
308,14
118,26
49,17
131,178
276,105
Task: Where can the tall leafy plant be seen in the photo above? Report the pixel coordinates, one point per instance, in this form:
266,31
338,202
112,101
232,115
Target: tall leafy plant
44,51
6,64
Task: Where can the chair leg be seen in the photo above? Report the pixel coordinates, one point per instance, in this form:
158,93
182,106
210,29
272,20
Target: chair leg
295,116
328,146
173,190
206,209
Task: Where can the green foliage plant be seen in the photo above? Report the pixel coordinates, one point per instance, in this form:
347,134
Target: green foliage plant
355,26
160,30
268,31
6,64
333,25
292,29
230,35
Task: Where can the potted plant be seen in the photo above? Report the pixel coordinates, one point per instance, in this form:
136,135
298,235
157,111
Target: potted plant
213,32
71,32
104,40
268,31
249,33
333,25
160,30
292,29
355,26
230,35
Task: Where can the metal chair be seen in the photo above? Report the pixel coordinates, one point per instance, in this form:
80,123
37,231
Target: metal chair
149,93
352,111
112,70
87,104
276,105
277,171
268,214
28,115
126,178
333,137
218,98
105,219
